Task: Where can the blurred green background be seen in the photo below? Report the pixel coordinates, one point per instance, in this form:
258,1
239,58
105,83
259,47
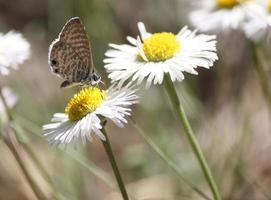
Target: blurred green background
225,105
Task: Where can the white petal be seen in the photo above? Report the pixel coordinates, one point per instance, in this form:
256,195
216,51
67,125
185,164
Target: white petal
115,108
198,50
209,18
142,30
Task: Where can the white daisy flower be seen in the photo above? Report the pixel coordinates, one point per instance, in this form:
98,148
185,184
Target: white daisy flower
258,28
82,117
220,15
154,55
14,50
10,98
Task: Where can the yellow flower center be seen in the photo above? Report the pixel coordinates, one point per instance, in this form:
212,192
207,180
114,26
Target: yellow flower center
84,102
161,46
227,3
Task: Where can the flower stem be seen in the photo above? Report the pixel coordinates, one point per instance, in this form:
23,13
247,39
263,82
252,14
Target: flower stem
73,155
20,156
17,149
42,170
7,110
191,137
167,160
109,152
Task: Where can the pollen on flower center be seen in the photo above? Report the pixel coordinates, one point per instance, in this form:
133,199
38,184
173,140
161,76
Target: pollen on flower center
227,3
84,102
161,46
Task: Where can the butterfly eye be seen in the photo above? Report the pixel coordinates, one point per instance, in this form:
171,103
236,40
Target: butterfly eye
53,62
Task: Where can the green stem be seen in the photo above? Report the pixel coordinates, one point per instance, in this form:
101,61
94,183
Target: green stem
20,156
109,152
167,160
42,170
263,75
191,137
7,110
19,153
74,155
91,167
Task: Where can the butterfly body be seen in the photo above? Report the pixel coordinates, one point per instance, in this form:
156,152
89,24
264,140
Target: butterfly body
70,56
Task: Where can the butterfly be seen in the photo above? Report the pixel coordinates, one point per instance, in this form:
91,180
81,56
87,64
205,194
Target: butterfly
70,56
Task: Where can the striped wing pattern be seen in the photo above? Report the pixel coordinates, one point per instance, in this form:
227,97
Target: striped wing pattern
70,54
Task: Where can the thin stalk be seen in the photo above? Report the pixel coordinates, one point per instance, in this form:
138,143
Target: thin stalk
167,160
42,170
263,75
109,152
191,137
18,151
91,167
82,161
20,156
7,110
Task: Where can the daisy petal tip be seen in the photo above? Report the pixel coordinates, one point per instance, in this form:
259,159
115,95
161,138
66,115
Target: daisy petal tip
140,25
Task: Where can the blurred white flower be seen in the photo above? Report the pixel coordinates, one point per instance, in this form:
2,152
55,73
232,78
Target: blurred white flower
154,55
82,115
220,15
10,98
14,50
258,26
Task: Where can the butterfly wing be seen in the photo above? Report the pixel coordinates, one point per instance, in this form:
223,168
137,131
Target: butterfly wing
69,54
66,63
74,34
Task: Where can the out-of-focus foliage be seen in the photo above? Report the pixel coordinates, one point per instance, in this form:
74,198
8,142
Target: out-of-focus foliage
225,104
